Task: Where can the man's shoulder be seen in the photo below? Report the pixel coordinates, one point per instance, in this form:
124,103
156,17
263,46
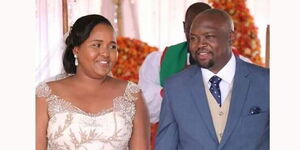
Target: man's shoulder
183,76
256,70
182,44
153,55
176,49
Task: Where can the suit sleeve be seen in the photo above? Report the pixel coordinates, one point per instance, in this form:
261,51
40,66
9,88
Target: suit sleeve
167,136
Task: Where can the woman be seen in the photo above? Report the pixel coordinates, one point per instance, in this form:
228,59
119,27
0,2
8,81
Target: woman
88,109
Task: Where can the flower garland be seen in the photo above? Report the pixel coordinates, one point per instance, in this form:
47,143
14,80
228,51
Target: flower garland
247,42
132,53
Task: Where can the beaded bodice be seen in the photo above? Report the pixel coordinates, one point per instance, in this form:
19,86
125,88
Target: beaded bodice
70,128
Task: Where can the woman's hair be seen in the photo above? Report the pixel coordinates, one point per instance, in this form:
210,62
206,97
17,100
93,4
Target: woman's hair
80,31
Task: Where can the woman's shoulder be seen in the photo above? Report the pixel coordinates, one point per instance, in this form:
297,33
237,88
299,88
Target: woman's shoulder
119,82
42,90
45,88
128,86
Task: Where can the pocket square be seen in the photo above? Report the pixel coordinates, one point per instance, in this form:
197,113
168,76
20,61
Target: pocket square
254,110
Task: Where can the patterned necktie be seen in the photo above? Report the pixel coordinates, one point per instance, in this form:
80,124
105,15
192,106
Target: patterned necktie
215,88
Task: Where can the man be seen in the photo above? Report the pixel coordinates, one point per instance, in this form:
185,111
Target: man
158,66
222,103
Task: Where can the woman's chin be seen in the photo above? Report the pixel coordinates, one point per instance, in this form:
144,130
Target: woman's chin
103,72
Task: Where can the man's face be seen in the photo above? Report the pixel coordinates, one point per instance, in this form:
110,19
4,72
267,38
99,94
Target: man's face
210,42
187,24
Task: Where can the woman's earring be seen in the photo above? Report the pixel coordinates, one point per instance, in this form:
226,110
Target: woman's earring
76,60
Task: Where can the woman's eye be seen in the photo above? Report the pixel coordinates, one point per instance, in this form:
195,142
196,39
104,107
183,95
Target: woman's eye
97,45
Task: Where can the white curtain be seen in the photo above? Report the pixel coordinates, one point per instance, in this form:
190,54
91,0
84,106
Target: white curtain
79,8
50,30
161,22
129,15
50,38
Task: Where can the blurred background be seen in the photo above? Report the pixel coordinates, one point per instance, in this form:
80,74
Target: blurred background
143,26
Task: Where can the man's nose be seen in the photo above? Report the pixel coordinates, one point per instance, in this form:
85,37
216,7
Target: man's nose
202,42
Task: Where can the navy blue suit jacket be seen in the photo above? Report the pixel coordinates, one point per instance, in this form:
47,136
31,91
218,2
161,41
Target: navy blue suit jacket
185,119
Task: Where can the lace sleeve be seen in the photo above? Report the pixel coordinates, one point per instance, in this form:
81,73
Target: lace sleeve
43,90
132,88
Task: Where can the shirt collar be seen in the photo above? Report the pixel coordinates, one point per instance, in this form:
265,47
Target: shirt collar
226,73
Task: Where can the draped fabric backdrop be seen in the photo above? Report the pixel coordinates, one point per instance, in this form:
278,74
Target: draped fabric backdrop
156,22
50,38
50,31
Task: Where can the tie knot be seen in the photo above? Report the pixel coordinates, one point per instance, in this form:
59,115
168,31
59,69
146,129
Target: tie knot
215,80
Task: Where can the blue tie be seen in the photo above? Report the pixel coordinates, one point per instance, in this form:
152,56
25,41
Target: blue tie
215,88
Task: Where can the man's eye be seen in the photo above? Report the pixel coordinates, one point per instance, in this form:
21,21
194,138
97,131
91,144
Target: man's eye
113,47
192,38
209,36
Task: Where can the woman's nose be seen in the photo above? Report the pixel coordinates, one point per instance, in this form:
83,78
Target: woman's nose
104,51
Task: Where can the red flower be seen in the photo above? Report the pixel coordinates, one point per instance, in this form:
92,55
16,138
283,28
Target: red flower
132,53
247,42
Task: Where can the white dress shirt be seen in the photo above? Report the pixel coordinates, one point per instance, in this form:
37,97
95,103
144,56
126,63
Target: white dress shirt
227,75
149,82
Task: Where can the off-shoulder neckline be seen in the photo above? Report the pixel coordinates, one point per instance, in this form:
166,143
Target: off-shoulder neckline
91,114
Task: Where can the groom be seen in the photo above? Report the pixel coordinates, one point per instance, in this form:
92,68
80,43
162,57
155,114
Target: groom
222,103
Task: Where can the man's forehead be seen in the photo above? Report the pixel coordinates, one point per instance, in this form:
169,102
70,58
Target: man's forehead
204,30
209,17
209,22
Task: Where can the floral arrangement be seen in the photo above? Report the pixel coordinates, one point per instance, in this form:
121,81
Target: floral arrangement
246,40
132,53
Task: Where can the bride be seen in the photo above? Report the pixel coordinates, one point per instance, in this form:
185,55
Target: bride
88,109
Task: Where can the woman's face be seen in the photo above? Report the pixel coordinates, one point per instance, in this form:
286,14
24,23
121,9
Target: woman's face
98,53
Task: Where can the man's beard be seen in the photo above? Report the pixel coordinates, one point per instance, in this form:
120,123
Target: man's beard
207,65
192,60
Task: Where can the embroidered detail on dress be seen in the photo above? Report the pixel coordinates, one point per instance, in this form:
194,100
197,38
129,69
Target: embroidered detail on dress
58,105
92,135
127,107
62,76
124,103
42,90
131,88
59,133
67,135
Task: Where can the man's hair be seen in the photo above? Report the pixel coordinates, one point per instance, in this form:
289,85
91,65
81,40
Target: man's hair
196,8
222,14
190,14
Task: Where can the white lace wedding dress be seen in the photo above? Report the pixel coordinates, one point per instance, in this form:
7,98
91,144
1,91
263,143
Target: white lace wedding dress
71,128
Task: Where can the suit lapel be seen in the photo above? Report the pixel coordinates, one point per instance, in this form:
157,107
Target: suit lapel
200,99
239,92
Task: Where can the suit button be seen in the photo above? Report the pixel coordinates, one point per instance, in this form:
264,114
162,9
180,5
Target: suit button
221,113
220,134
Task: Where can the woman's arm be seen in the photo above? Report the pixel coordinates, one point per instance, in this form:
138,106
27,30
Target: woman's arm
41,123
140,139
